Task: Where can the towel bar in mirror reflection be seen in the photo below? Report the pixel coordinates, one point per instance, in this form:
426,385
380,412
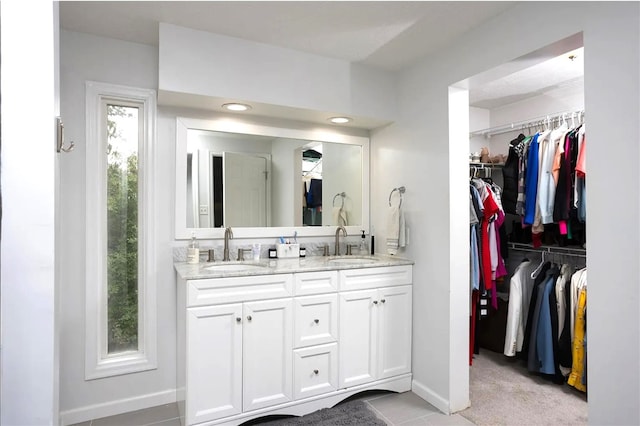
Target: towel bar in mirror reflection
342,195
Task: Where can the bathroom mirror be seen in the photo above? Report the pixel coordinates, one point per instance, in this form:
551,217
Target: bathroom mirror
268,181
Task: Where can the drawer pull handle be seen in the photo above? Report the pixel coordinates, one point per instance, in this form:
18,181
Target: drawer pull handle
238,319
383,300
315,372
375,302
248,317
316,321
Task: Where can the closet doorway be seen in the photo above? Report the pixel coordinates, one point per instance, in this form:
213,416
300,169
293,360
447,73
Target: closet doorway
506,108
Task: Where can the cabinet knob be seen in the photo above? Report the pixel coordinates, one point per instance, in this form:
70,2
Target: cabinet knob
248,317
375,302
238,319
315,372
316,321
383,300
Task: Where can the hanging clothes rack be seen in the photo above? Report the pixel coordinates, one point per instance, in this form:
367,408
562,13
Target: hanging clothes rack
566,251
308,172
546,120
475,168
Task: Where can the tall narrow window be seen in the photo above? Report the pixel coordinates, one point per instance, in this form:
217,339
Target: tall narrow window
120,304
123,129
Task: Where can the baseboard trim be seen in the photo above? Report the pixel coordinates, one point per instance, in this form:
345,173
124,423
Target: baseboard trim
430,396
112,408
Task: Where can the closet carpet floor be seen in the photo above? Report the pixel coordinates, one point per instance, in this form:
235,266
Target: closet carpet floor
503,392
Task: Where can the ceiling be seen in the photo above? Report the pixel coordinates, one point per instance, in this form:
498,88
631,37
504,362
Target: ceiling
389,35
386,34
564,72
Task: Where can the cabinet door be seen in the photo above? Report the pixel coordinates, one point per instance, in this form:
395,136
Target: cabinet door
268,353
358,337
394,342
213,362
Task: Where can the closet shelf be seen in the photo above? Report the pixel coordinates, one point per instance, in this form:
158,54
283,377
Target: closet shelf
532,122
576,251
485,165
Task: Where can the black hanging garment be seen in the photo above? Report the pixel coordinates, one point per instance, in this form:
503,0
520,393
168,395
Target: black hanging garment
510,177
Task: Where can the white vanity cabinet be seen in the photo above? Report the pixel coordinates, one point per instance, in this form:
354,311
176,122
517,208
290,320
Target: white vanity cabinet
237,356
290,343
375,324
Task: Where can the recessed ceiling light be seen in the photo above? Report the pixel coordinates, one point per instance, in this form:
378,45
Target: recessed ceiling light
236,107
340,120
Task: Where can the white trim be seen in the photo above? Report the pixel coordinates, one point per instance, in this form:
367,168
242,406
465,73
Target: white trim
96,364
120,406
431,396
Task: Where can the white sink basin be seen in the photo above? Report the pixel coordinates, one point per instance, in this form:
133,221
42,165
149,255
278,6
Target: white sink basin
233,267
353,260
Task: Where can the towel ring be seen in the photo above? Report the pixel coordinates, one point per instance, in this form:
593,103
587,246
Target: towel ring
341,194
400,190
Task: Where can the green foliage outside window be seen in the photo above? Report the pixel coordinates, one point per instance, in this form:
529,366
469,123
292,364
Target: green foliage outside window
122,231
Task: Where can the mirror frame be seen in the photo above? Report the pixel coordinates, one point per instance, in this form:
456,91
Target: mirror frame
230,125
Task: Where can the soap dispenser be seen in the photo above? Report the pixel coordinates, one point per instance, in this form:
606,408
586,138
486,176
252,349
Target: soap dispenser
362,248
193,251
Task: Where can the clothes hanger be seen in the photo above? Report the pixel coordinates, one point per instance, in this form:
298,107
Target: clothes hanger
537,271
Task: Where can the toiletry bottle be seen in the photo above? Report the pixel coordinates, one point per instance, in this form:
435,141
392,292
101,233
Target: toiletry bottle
193,251
362,248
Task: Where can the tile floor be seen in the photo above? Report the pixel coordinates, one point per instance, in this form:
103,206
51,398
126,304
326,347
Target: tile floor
406,409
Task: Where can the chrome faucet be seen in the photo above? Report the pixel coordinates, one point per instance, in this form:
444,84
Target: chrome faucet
344,234
228,234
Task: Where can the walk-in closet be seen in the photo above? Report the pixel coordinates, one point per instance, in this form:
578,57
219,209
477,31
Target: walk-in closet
528,248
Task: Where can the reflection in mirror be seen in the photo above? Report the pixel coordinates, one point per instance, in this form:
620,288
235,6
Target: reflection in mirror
265,181
312,181
228,180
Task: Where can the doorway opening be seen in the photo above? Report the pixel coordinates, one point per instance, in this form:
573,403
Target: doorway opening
492,113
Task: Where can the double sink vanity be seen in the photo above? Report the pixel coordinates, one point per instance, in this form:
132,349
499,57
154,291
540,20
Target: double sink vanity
290,336
284,336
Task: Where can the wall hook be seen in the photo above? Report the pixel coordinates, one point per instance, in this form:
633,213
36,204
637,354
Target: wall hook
60,137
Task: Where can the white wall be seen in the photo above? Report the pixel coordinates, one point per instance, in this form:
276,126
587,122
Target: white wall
85,57
197,62
415,152
29,179
612,54
479,119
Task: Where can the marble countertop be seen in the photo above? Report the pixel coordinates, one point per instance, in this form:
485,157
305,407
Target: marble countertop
284,266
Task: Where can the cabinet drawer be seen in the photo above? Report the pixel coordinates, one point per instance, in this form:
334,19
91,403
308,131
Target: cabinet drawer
238,289
358,279
316,320
315,370
307,283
